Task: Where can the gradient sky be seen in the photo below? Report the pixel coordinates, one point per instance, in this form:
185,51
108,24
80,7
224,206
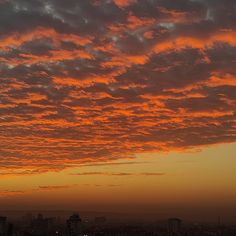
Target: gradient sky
109,104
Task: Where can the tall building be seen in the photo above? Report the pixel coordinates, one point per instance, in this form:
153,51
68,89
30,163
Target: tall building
41,226
74,225
3,225
10,230
174,226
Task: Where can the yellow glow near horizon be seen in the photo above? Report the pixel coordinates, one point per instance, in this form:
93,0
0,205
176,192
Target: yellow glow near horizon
195,178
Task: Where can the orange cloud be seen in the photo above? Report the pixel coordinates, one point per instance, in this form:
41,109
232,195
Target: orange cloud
120,78
124,3
194,42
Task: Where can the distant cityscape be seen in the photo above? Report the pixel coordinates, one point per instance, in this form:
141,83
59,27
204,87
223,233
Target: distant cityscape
40,225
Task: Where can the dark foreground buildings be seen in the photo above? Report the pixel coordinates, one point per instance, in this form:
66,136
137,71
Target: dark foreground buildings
100,226
3,225
74,225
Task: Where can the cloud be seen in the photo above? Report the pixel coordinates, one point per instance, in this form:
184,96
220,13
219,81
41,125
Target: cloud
53,187
20,172
120,174
86,82
114,163
7,193
10,193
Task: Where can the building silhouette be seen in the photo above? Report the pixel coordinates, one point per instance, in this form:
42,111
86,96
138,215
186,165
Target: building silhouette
10,230
41,226
3,226
174,226
74,225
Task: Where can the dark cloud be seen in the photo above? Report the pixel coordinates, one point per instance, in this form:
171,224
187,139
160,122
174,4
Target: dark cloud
119,174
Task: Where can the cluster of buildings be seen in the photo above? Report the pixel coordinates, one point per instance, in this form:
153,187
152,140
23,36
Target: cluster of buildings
42,226
74,226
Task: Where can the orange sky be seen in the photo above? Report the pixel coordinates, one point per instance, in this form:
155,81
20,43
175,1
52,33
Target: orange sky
106,102
156,184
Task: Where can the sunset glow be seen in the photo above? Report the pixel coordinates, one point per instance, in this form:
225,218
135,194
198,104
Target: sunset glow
115,103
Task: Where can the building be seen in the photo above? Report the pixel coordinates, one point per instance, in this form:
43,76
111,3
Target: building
74,225
3,225
174,226
41,226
